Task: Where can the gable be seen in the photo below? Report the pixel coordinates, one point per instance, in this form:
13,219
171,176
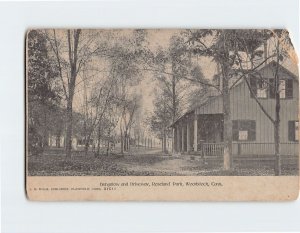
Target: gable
268,71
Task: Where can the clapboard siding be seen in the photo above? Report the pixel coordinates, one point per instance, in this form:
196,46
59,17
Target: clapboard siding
243,107
248,148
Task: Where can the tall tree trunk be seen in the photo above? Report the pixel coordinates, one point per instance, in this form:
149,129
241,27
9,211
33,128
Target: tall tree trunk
122,140
45,133
277,151
87,144
73,56
128,146
164,142
108,142
69,126
277,166
99,139
174,106
86,137
69,123
228,161
125,141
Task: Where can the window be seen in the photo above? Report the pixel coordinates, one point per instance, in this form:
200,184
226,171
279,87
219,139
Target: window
271,88
243,135
243,130
285,87
253,87
282,89
293,131
261,88
289,88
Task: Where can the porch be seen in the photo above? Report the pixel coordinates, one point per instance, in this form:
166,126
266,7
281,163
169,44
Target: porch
193,131
202,134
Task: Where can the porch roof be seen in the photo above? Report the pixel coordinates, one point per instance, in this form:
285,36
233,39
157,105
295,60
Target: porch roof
181,117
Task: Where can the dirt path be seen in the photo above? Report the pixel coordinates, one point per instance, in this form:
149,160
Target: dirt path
165,164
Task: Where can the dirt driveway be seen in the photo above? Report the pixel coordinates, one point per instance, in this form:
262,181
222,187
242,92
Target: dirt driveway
162,164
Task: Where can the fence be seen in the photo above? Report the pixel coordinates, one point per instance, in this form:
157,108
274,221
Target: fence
212,149
249,148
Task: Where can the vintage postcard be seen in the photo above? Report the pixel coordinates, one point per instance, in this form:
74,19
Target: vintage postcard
161,115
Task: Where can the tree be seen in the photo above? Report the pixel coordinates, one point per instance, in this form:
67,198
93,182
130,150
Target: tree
72,50
43,95
105,109
169,66
69,68
125,56
161,118
95,109
280,50
223,47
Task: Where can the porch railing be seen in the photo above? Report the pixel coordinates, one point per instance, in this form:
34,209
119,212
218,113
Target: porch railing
248,148
211,149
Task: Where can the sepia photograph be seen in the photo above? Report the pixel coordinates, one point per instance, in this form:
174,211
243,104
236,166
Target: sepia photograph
149,116
162,102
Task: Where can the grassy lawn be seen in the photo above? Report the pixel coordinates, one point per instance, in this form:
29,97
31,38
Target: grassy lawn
148,164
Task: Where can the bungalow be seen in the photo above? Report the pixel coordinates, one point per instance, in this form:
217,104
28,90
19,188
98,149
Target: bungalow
201,129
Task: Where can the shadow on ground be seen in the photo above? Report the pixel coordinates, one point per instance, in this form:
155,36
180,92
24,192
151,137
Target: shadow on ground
147,164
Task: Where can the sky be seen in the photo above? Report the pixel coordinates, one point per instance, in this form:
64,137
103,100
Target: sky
156,38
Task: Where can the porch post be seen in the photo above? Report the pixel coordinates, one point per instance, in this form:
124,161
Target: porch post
195,132
182,137
173,141
188,137
178,149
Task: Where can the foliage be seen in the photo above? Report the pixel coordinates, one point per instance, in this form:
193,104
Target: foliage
42,72
161,118
43,93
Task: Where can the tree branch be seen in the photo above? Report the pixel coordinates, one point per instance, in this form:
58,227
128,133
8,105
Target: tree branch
55,50
255,98
248,72
258,102
203,83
